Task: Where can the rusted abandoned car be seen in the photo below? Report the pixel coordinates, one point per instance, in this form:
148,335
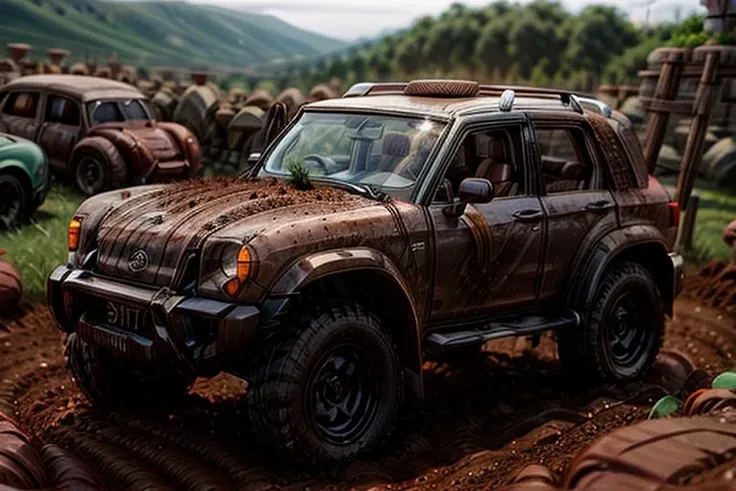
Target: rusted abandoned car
98,131
441,215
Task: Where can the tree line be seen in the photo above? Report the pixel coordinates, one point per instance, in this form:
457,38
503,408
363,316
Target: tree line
539,43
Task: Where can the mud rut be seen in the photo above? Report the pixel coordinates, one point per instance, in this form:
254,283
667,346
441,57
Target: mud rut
510,407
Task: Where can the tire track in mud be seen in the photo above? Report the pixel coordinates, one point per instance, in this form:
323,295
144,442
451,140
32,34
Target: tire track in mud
510,407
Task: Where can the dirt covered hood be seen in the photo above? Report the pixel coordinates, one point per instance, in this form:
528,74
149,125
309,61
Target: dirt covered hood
147,237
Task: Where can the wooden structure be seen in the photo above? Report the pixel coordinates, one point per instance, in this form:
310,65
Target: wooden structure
705,68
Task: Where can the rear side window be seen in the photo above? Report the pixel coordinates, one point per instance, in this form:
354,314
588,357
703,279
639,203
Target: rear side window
21,104
566,164
62,110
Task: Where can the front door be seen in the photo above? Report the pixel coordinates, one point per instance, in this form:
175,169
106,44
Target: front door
20,114
487,260
61,128
578,204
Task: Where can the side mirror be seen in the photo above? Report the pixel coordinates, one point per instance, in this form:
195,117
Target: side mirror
254,158
472,190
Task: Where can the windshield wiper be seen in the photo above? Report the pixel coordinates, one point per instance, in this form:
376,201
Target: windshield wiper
368,190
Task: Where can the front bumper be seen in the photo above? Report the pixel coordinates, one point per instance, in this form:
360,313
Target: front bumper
678,271
197,335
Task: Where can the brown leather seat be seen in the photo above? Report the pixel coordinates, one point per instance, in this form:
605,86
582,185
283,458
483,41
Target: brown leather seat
395,148
569,178
496,167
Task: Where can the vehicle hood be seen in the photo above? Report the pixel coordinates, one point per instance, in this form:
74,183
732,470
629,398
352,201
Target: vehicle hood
164,226
146,133
26,152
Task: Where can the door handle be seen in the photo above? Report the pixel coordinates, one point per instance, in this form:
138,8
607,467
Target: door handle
601,205
530,215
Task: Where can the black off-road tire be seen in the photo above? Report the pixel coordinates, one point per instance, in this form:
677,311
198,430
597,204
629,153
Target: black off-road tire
624,331
98,166
297,378
108,383
13,201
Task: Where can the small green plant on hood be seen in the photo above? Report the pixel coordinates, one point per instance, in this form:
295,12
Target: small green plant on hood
299,174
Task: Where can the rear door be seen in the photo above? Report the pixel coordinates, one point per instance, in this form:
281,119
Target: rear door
575,196
20,113
61,128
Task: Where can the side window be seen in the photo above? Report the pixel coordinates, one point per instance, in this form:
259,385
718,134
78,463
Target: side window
62,110
21,104
495,155
566,164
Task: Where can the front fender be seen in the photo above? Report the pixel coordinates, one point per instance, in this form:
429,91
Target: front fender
330,264
136,155
593,264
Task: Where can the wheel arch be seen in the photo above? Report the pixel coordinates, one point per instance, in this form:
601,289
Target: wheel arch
641,244
364,276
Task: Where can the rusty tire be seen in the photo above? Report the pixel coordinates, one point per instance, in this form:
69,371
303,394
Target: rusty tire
107,382
328,391
624,329
98,166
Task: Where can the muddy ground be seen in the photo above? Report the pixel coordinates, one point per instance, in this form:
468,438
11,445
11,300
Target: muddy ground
510,407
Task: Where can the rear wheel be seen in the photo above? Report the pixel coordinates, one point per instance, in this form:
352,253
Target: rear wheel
108,382
98,166
624,331
331,389
13,201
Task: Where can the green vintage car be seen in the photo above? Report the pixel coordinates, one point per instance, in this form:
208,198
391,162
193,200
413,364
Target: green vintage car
24,179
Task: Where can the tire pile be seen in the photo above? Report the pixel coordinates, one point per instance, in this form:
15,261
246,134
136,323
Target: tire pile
25,465
230,127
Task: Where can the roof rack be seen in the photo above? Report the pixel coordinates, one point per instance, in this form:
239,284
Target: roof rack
507,93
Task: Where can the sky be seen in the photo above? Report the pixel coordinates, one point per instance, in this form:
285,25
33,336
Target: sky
353,19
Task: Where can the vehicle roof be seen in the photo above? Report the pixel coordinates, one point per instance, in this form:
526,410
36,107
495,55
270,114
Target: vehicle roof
80,86
437,107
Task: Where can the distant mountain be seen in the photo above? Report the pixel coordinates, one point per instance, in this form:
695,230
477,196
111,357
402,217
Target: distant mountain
159,33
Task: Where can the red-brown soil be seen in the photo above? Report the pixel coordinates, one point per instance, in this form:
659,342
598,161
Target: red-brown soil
481,424
715,285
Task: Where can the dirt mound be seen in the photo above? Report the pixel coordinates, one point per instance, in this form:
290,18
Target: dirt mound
715,285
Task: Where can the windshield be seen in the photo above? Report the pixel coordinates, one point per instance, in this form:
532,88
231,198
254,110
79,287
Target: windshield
115,111
377,150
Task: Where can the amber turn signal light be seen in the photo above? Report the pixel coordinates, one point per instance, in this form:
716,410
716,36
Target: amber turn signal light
74,227
232,287
243,264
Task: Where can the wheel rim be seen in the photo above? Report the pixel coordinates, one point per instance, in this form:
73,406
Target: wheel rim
11,197
89,175
343,394
629,335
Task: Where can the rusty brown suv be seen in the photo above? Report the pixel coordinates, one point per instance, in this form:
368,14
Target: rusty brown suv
436,216
98,131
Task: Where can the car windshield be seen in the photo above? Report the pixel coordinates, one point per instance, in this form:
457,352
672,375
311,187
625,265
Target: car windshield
116,110
372,150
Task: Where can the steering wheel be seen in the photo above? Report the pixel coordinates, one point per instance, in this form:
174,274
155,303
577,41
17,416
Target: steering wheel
322,162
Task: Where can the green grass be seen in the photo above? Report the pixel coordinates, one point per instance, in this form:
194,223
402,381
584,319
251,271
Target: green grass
41,245
157,33
716,210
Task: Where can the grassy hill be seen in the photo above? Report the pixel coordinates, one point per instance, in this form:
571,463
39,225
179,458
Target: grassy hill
158,33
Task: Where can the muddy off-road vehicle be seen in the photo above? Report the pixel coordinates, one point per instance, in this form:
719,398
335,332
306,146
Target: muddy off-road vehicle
98,131
441,215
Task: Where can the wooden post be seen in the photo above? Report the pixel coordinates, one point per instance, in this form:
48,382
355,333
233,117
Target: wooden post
686,234
668,85
705,100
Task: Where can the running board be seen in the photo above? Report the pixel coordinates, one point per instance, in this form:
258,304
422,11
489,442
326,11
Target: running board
522,326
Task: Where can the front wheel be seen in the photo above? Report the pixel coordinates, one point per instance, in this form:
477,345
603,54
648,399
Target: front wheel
330,389
624,331
98,166
13,201
108,382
